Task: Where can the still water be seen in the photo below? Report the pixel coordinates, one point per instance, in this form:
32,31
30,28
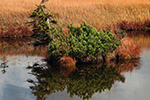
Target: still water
131,80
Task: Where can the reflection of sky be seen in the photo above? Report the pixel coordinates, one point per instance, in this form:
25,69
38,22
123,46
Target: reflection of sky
13,85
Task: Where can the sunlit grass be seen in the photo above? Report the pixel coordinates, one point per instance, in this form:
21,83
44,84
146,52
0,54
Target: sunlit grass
98,13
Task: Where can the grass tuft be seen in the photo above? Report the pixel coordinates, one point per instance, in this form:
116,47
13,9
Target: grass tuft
128,49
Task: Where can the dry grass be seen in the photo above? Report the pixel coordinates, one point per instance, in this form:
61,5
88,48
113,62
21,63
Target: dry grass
128,49
16,32
67,65
98,13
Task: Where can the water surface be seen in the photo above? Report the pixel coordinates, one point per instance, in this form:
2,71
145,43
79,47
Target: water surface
127,80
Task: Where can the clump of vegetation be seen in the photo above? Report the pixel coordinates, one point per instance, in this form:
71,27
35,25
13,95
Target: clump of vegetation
128,50
67,65
85,43
130,26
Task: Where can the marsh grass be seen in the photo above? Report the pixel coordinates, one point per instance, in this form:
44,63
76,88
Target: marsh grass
128,49
16,32
130,26
98,13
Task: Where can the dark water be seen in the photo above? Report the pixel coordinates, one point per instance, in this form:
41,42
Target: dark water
131,82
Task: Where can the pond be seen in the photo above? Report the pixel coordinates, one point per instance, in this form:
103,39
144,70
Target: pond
27,76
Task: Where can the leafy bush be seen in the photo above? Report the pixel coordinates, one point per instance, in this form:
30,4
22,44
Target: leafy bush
84,43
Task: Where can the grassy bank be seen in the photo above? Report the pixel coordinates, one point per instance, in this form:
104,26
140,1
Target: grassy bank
100,14
96,13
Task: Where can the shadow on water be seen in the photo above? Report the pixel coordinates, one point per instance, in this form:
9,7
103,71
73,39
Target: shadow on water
83,81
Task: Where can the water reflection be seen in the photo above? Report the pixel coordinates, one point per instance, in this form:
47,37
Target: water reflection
3,65
13,85
9,47
84,82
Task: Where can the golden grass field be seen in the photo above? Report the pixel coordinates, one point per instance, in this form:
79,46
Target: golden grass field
99,13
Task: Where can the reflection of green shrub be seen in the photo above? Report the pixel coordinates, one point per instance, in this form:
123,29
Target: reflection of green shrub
82,84
84,42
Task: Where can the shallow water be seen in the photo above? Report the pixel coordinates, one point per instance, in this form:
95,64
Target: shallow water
14,85
26,76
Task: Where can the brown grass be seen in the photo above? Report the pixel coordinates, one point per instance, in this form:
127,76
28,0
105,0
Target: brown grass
16,32
98,13
128,49
129,26
67,65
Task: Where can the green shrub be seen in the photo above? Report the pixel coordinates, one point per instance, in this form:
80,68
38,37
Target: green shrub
83,43
42,24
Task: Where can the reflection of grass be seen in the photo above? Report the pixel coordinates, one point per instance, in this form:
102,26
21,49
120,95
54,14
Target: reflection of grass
142,39
67,65
98,13
127,65
19,46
